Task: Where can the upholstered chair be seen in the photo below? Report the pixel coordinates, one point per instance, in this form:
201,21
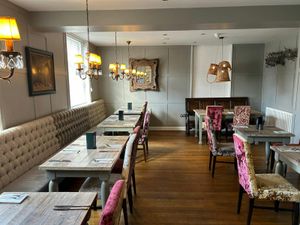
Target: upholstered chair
112,210
143,141
214,112
268,186
217,149
241,117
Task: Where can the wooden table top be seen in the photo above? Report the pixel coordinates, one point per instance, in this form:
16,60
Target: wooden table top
113,121
77,157
227,112
268,131
38,208
290,155
133,111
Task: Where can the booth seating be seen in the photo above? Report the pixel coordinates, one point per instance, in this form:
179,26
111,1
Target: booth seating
23,148
201,103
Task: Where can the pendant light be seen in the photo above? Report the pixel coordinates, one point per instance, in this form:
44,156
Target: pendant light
129,73
116,70
93,60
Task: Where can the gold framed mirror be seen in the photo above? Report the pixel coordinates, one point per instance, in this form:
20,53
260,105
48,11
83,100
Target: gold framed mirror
147,76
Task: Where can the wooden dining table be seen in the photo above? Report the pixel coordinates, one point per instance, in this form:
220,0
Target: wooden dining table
286,155
200,114
133,111
113,124
55,208
267,135
76,160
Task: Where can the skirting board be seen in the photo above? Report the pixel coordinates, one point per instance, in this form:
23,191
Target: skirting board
168,128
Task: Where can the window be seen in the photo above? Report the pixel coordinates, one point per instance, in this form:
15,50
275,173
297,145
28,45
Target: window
79,89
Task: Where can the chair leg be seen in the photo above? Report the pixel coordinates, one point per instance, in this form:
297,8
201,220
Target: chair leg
276,206
133,182
144,149
130,200
235,164
147,146
241,191
214,166
124,206
250,211
210,158
272,160
295,220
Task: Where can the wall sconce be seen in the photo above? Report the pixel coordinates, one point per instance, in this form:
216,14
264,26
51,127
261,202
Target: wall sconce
9,59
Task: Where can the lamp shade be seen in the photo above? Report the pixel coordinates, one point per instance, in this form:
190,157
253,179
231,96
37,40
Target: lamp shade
122,67
222,75
78,59
9,29
225,64
213,69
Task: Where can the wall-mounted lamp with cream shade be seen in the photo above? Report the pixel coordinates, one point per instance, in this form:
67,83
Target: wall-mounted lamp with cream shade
9,59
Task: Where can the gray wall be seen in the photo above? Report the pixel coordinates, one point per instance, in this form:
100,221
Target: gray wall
15,104
247,64
278,82
174,71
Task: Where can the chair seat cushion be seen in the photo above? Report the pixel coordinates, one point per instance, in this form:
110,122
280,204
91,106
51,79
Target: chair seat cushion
275,187
224,149
31,181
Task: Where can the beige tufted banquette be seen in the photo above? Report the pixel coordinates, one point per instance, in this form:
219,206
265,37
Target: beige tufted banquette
24,147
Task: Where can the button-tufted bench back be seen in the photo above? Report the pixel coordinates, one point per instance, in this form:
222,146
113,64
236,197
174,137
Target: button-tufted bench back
28,145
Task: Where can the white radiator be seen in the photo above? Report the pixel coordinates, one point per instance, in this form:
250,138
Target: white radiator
279,118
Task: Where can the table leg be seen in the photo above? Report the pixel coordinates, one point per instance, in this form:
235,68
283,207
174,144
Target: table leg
200,120
279,168
53,186
196,125
268,153
104,192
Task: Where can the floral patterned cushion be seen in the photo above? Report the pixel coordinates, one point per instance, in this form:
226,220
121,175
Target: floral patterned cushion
241,115
225,149
214,112
246,171
275,187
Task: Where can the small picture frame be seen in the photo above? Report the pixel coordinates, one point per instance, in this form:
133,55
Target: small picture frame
40,72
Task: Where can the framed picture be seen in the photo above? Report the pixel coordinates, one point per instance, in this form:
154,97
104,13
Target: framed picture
148,81
40,71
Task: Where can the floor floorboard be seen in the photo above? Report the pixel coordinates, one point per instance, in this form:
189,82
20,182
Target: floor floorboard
175,187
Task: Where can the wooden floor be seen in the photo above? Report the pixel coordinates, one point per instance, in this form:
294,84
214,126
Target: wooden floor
175,187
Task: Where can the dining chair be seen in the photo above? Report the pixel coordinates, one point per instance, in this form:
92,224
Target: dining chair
92,184
272,187
241,117
143,141
217,149
214,112
111,213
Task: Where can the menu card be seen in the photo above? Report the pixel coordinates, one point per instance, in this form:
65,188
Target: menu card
13,197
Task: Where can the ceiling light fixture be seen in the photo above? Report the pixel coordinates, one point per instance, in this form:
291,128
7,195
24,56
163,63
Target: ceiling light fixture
93,60
9,59
116,70
221,70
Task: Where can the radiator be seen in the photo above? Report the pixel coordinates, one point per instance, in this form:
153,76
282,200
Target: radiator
279,118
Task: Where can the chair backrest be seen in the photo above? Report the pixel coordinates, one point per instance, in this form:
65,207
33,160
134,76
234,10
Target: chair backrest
127,157
214,112
241,115
112,210
146,123
245,165
212,140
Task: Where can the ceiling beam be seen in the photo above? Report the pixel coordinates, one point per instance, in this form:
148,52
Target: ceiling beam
169,19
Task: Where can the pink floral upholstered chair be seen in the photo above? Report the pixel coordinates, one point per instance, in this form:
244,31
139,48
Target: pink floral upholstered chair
262,186
241,115
112,210
216,149
144,134
214,112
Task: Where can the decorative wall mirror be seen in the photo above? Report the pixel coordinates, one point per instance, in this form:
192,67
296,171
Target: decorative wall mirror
147,80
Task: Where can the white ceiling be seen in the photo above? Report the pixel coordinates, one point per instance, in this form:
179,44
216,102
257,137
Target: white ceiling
59,5
190,37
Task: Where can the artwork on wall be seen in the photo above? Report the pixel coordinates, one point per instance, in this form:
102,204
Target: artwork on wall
40,71
149,79
278,58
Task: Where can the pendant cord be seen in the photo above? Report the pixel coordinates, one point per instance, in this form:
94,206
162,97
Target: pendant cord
222,48
88,24
116,47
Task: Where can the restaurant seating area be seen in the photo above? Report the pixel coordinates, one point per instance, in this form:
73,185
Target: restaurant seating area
140,112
